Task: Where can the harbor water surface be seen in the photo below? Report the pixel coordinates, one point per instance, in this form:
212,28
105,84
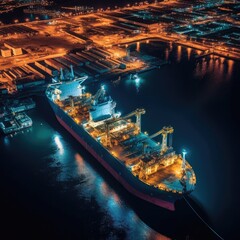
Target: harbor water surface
53,188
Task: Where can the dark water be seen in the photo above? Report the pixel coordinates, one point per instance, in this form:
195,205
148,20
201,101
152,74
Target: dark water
200,99
52,188
18,14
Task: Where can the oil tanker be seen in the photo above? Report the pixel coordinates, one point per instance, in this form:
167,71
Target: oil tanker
150,170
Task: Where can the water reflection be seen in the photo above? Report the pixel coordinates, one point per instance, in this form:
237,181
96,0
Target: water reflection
6,141
166,54
189,50
59,144
134,80
220,68
230,64
198,52
179,53
137,82
122,216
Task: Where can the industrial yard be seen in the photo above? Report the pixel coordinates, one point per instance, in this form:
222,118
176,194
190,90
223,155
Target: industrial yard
118,119
96,43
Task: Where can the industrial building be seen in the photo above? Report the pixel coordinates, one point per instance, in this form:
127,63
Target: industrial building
16,50
6,52
47,68
16,30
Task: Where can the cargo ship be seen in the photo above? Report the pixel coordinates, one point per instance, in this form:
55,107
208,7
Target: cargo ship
148,169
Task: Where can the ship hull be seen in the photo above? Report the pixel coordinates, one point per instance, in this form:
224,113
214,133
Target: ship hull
116,168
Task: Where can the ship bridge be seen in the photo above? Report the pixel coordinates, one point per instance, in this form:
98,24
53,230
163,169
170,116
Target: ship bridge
62,90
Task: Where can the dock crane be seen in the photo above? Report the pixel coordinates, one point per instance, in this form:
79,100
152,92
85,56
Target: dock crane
164,131
138,112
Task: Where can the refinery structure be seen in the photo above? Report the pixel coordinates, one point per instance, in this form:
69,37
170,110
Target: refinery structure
148,169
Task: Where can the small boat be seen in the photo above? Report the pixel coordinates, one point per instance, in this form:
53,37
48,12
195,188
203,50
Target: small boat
133,76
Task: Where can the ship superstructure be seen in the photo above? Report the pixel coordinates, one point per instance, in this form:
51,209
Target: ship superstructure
148,169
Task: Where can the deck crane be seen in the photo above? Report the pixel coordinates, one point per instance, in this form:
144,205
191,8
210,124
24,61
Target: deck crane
164,132
138,112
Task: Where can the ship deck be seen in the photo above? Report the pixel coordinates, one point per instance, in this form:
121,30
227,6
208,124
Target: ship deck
130,152
128,146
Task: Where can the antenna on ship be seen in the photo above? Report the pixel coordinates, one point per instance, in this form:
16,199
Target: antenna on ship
184,153
183,178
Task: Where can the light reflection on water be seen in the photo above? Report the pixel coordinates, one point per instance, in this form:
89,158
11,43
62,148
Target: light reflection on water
230,68
59,144
207,65
189,50
220,68
201,82
6,141
135,82
179,53
92,185
73,166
